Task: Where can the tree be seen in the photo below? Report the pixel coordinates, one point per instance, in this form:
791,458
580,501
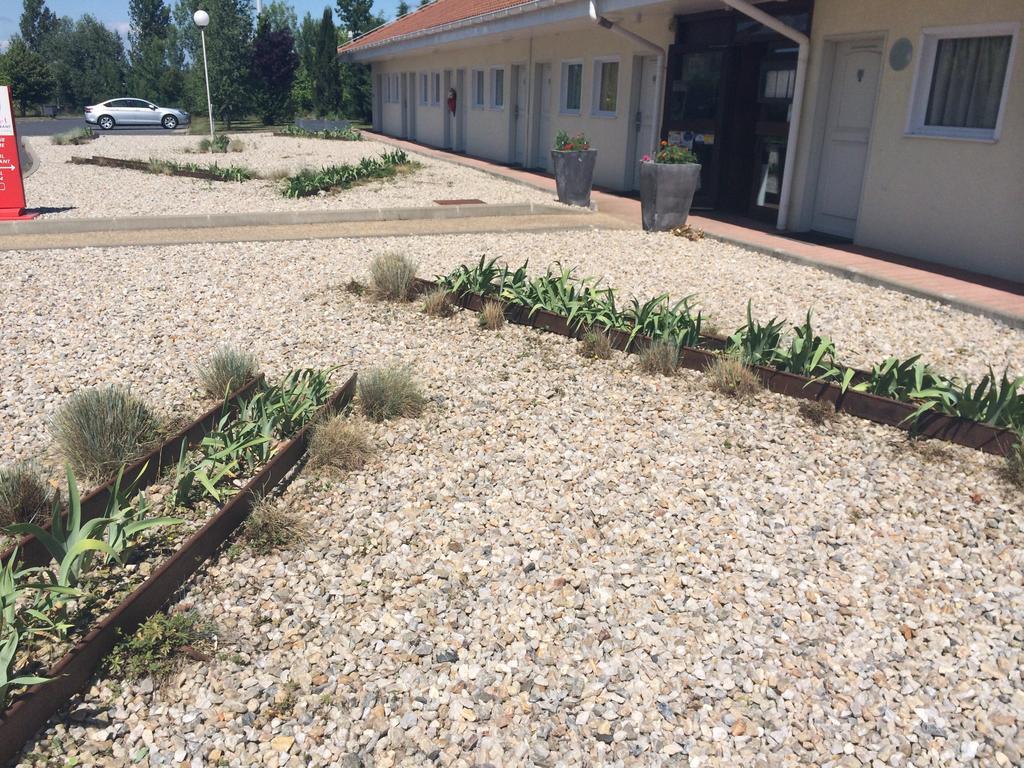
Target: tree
424,3
326,73
27,74
36,24
357,18
149,36
403,9
280,15
274,62
95,63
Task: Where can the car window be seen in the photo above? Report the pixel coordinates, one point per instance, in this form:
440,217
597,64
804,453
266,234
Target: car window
117,103
138,104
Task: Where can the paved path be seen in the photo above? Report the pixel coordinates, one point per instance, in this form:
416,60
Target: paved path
971,292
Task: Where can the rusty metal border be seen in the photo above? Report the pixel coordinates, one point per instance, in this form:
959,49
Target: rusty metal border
141,165
139,474
881,410
34,707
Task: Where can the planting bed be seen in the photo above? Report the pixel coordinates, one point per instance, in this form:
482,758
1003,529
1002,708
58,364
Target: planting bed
88,191
564,561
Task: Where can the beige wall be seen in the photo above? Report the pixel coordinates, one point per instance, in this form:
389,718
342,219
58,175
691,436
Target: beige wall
488,131
956,202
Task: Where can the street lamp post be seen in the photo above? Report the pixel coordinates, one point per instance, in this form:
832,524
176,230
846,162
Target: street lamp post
202,20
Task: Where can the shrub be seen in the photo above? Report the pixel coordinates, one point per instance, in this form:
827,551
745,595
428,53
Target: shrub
596,345
660,357
492,316
390,393
728,375
101,429
391,277
1015,464
270,527
24,495
157,647
437,304
817,411
340,443
311,182
220,144
76,136
226,370
236,145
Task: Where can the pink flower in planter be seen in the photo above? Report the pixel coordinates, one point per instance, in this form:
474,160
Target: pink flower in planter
645,159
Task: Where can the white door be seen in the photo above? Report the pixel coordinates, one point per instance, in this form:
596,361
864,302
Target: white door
403,97
851,109
412,100
543,139
643,120
517,103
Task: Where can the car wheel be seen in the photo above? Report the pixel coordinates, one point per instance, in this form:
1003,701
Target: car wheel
170,122
106,122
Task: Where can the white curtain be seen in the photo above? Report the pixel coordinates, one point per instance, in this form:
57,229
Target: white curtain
967,83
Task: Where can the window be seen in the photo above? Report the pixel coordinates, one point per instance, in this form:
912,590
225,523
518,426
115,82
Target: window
497,88
478,88
606,86
391,93
572,87
435,88
962,81
424,88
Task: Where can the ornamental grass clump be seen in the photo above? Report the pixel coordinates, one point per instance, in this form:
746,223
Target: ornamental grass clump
103,428
271,527
1015,464
390,393
74,137
24,495
340,443
817,411
391,277
730,376
595,345
660,357
436,303
492,316
226,370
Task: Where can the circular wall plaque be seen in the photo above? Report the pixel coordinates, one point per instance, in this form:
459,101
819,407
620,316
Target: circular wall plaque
900,54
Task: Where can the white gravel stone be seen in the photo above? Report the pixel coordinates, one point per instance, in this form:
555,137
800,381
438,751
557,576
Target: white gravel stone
90,191
563,562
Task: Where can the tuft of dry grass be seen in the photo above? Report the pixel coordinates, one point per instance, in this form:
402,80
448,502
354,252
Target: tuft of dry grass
595,345
1014,470
391,277
817,411
236,145
728,375
277,174
437,304
492,316
354,287
659,358
390,393
340,443
24,495
226,370
271,527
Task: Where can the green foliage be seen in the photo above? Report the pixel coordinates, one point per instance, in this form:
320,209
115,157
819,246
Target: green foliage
808,354
219,143
391,277
75,137
897,379
27,73
101,429
235,173
660,319
756,344
390,393
310,182
226,370
326,71
274,63
155,649
24,495
672,154
566,143
334,134
996,402
36,24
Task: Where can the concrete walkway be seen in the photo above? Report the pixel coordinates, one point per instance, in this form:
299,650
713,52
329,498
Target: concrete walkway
979,294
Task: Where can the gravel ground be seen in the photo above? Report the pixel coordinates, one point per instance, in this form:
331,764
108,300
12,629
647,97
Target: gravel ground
89,191
562,563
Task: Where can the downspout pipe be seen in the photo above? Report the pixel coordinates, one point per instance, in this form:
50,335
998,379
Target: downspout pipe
660,64
798,37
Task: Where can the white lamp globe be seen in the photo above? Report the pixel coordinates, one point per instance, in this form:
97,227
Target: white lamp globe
201,18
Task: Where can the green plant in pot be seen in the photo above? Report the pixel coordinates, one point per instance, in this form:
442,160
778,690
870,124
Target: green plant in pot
573,161
668,183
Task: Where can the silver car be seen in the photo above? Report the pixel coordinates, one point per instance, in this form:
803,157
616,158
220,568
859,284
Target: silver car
113,112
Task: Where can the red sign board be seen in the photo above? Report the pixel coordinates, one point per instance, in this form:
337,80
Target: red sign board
12,189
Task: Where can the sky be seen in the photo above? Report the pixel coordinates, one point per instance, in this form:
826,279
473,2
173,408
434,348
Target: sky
114,13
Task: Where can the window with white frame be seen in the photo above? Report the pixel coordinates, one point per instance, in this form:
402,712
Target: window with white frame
606,87
435,88
962,81
497,88
478,88
424,88
572,87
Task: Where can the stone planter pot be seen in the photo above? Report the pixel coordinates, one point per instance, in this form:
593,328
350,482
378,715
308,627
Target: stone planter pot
666,193
574,175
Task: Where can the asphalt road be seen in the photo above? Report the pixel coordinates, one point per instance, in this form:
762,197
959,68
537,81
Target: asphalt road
51,126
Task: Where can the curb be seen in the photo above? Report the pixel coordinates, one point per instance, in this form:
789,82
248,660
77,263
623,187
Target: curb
285,218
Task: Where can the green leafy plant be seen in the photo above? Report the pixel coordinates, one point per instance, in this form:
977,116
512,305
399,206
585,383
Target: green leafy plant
673,154
236,173
227,369
24,495
218,143
14,632
659,319
808,354
992,401
566,143
310,182
103,428
126,521
392,276
334,134
756,343
897,379
390,393
156,647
